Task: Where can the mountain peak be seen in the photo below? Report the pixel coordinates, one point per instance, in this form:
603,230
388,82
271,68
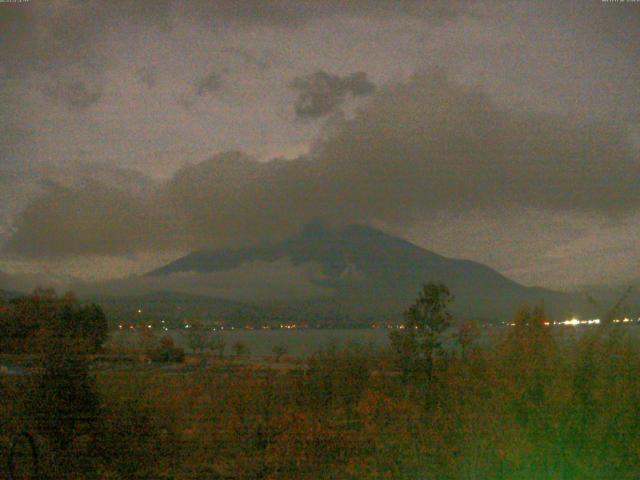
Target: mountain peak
314,229
373,271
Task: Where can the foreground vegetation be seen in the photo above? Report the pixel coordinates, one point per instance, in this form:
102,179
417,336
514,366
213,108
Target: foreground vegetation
538,403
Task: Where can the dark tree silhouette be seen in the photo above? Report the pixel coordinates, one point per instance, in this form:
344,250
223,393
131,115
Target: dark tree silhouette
419,342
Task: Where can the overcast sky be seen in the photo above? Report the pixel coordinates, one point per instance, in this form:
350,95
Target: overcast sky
132,131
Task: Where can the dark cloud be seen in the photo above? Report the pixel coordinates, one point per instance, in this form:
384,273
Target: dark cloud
254,281
425,147
148,76
615,23
207,85
210,83
261,62
292,13
75,94
322,93
13,136
90,219
449,147
38,36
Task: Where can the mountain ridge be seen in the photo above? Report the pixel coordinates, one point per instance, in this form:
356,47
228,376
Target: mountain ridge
372,271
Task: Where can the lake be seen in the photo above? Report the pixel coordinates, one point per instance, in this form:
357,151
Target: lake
298,342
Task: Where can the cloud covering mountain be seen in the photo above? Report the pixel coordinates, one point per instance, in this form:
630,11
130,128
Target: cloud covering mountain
518,152
418,147
322,274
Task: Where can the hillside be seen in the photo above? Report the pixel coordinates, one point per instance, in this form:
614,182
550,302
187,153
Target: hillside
375,275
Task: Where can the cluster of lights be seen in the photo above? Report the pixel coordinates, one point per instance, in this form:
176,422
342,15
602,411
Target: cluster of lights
624,320
595,321
133,327
572,322
575,322
401,326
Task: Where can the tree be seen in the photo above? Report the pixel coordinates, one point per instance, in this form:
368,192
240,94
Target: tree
201,338
147,339
529,348
167,342
94,326
217,344
29,323
197,337
418,343
466,335
63,404
279,351
240,348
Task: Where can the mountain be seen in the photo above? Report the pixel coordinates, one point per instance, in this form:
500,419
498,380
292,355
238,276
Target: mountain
366,273
7,287
174,308
6,293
